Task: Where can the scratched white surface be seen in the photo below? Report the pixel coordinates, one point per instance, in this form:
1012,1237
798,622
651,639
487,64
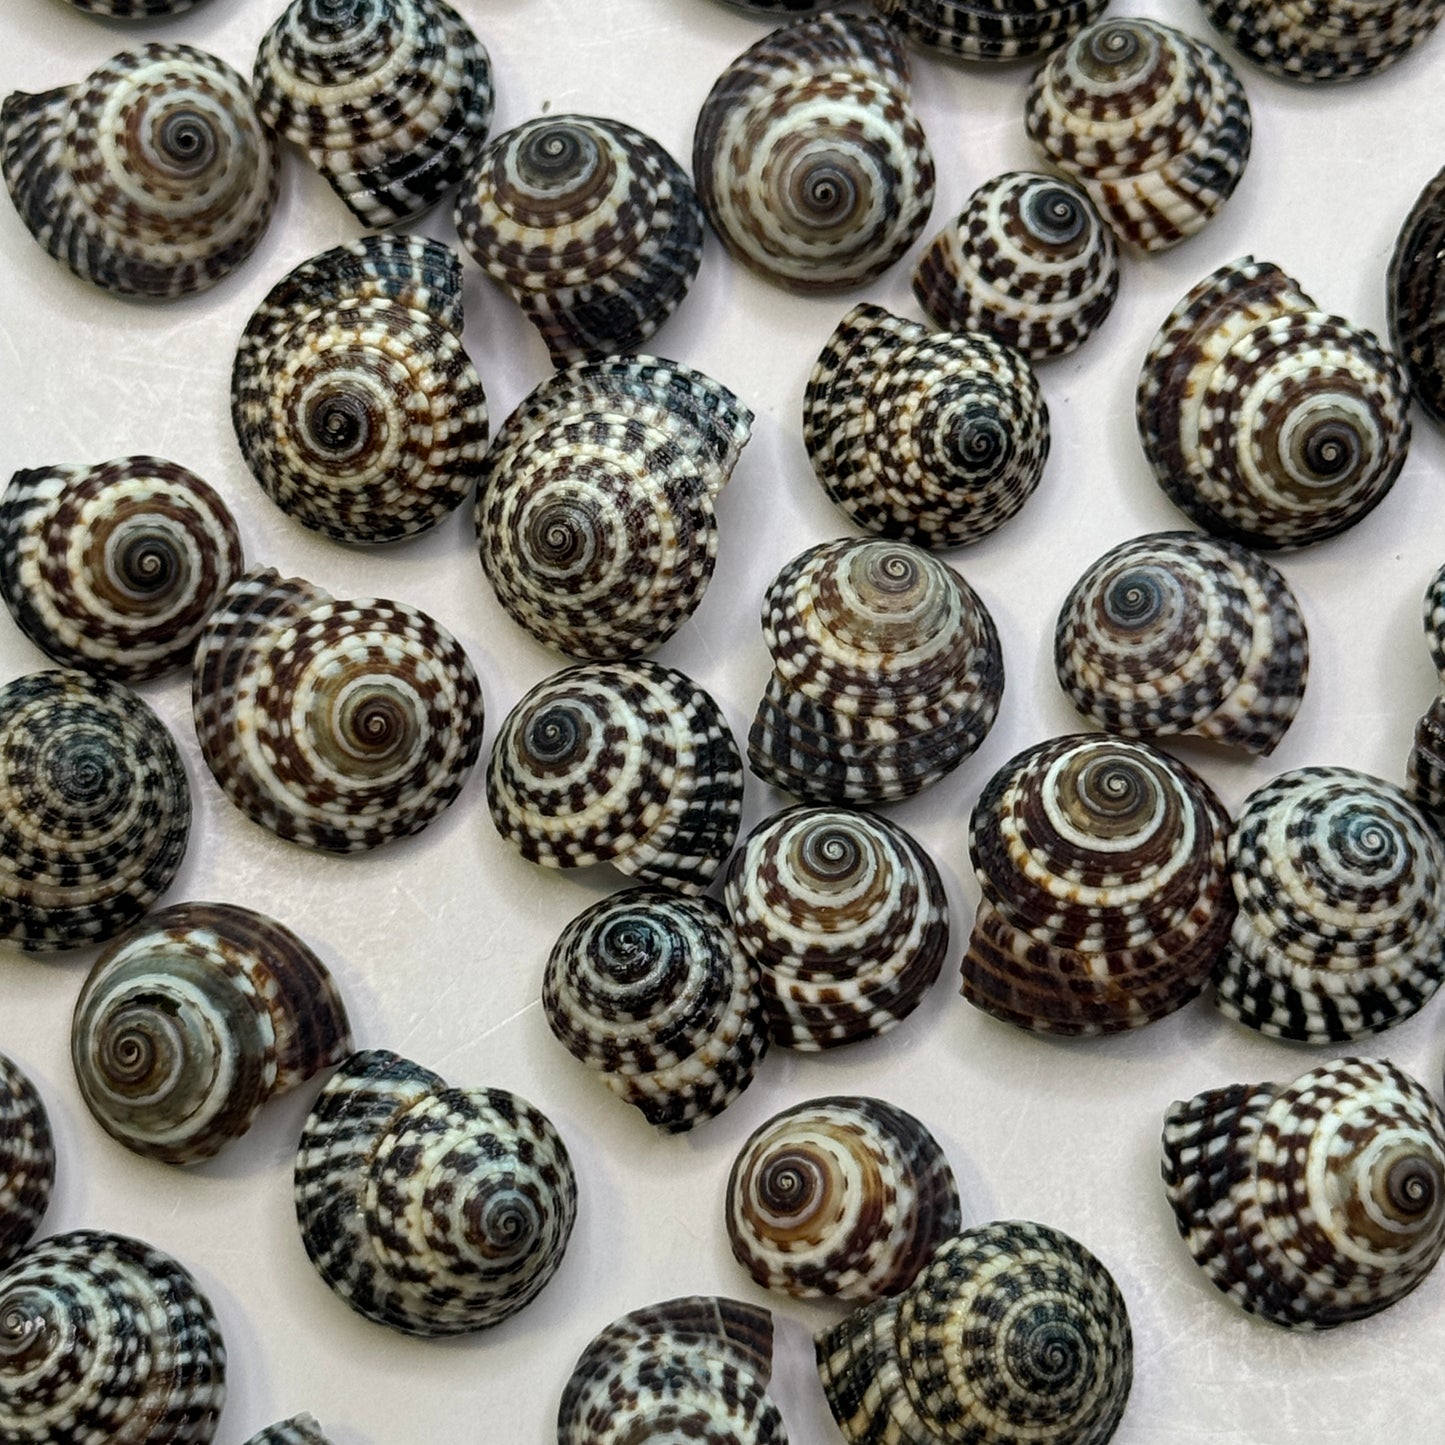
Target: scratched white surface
439,942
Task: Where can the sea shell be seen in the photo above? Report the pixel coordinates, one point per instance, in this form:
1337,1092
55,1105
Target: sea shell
694,1369
840,1196
299,1430
354,402
104,1338
133,9
1266,420
390,99
188,1024
1014,1334
845,916
1152,123
95,810
1425,770
1105,897
778,7
337,725
990,29
591,226
887,673
810,163
594,512
1177,633
152,177
27,1163
1415,296
1311,1203
628,763
1029,260
435,1211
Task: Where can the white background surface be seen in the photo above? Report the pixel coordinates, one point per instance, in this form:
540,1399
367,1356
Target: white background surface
438,942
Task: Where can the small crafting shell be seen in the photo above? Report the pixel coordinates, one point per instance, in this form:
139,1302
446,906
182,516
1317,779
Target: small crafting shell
990,29
1312,1203
27,1165
1177,633
887,673
810,163
188,1025
299,1430
133,9
1153,124
353,400
1425,771
1415,294
595,512
337,725
435,1211
1266,420
152,177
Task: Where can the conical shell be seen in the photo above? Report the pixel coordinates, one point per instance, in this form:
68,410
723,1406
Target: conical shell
1415,297
299,1430
990,29
27,1160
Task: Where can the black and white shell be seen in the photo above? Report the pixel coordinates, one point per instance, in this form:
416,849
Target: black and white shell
133,9
1425,769
1415,297
990,29
27,1163
299,1430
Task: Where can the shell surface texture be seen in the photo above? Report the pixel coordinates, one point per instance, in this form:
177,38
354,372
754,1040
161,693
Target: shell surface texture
1425,769
339,725
990,29
1415,297
845,917
152,177
299,1430
937,438
1266,420
1152,123
595,512
187,1025
390,99
434,1211
887,673
353,399
133,9
1014,1334
1176,633
810,163
1311,1203
27,1161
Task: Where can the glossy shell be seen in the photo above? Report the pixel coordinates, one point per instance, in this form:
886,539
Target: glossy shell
27,1163
1311,1203
152,177
354,403
935,438
1415,296
432,1210
1267,421
990,29
299,1430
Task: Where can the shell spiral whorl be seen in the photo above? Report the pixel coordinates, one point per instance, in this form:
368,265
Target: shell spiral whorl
989,29
27,1161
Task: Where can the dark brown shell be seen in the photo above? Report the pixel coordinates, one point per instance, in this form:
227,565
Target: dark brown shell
1415,296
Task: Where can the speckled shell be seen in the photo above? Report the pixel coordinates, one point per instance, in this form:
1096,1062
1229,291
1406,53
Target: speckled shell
432,1210
1267,421
1311,1203
845,916
1177,633
187,1026
990,29
810,163
152,177
133,9
595,511
107,1341
390,99
1014,1334
887,673
1152,123
353,400
1415,296
1425,770
339,725
653,991
1029,260
299,1430
95,810
27,1162
627,763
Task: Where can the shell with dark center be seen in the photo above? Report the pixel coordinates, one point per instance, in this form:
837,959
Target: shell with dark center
299,1430
1415,297
27,1162
990,29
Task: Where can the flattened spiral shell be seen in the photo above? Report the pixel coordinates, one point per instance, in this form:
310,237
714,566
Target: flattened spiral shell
434,1211
152,177
337,725
299,1430
1415,297
27,1160
990,29
1312,1203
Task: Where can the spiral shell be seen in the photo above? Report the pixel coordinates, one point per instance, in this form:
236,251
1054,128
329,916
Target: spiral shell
1425,770
1177,633
1029,260
354,403
152,177
435,1211
133,9
1315,1202
887,673
595,512
1014,1334
103,1338
1415,296
390,99
810,163
990,29
1152,123
1265,420
777,7
27,1162
299,1430
188,1025
627,763
337,725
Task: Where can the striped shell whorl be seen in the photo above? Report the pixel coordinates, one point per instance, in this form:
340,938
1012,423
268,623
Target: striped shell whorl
27,1160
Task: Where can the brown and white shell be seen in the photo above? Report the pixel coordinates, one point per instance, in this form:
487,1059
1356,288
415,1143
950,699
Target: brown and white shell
1415,296
999,30
27,1160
